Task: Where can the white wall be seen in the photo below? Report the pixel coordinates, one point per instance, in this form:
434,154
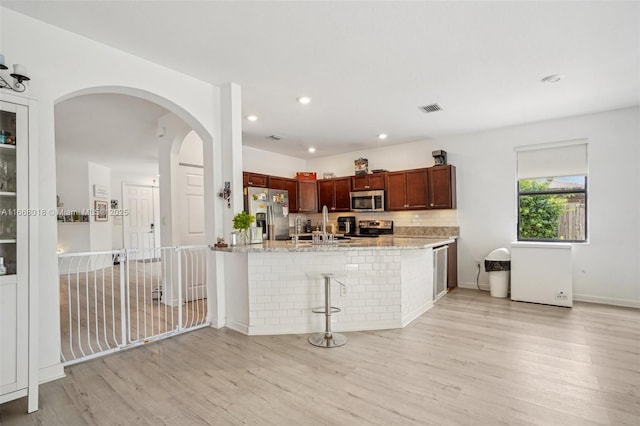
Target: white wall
72,189
72,182
606,269
270,163
62,64
191,150
99,232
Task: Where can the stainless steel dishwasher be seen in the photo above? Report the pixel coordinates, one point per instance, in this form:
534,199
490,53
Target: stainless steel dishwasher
440,266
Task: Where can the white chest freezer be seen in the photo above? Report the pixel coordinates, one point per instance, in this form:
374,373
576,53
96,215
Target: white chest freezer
542,273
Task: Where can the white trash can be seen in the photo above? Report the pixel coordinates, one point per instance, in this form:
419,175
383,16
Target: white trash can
498,266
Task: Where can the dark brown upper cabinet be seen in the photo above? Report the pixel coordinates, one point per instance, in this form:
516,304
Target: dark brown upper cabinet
307,200
367,182
442,187
291,185
335,194
255,179
406,190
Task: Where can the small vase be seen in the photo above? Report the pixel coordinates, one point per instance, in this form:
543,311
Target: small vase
242,237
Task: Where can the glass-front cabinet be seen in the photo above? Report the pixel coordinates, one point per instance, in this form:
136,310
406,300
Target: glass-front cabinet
15,216
8,191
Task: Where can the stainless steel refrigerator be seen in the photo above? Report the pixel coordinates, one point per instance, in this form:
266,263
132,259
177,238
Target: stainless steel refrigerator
271,209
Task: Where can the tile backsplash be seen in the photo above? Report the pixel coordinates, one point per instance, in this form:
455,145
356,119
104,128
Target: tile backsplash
445,219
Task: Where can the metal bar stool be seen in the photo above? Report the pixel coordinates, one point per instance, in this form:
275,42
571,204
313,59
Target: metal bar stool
327,339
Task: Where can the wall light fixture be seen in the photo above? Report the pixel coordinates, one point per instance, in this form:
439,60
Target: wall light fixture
19,75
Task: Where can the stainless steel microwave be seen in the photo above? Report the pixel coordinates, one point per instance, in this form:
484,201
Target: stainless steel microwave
367,201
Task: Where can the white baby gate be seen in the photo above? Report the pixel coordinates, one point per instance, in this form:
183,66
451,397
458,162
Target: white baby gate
112,300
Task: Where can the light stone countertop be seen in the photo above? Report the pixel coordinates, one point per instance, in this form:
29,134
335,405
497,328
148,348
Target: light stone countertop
356,243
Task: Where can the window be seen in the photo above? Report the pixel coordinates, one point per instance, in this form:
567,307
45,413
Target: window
552,209
552,192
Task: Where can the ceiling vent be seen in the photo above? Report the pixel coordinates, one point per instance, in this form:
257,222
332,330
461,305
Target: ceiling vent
430,108
275,137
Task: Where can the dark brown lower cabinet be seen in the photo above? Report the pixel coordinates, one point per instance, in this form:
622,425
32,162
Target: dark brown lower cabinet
452,266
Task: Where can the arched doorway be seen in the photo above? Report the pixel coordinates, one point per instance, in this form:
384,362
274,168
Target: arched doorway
108,142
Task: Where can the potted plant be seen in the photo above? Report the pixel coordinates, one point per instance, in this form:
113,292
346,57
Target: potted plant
242,221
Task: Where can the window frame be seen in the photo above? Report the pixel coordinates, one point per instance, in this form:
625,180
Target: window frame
554,192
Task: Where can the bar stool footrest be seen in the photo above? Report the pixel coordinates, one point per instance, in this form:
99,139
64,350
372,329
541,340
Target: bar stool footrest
321,310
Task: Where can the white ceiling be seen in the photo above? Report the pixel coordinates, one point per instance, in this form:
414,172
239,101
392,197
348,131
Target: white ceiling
368,66
117,131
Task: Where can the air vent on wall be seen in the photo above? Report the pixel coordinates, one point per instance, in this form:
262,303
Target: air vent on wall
430,108
275,137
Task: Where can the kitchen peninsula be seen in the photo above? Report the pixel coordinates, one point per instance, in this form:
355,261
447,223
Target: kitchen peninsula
271,288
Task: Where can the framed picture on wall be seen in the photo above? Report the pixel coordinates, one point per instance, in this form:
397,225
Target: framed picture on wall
101,211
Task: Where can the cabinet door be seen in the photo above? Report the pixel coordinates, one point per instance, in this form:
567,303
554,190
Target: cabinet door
342,196
416,189
13,335
255,179
452,267
442,187
359,182
368,182
376,181
395,194
291,186
307,196
325,194
14,250
276,182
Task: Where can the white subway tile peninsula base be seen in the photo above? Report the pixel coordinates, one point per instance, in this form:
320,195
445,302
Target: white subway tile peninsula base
270,288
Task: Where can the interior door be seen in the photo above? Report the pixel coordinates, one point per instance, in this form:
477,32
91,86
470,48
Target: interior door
191,218
191,212
140,226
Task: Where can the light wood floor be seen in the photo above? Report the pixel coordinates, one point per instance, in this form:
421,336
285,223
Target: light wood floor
471,360
93,324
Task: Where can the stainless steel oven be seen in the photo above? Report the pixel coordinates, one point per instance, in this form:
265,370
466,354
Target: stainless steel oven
367,201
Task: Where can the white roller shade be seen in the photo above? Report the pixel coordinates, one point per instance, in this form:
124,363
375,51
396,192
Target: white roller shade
567,158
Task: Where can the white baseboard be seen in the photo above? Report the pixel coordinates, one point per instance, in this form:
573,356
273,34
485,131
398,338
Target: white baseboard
576,297
51,373
607,300
272,330
239,327
338,327
216,324
407,319
367,325
472,286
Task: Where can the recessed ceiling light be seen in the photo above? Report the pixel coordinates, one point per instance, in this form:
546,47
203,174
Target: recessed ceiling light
312,150
553,78
252,117
382,136
304,100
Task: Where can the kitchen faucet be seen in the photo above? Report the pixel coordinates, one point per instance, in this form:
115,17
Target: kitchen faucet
297,227
325,219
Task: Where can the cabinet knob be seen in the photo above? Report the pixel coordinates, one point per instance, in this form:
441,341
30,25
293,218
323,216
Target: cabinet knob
431,204
366,186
